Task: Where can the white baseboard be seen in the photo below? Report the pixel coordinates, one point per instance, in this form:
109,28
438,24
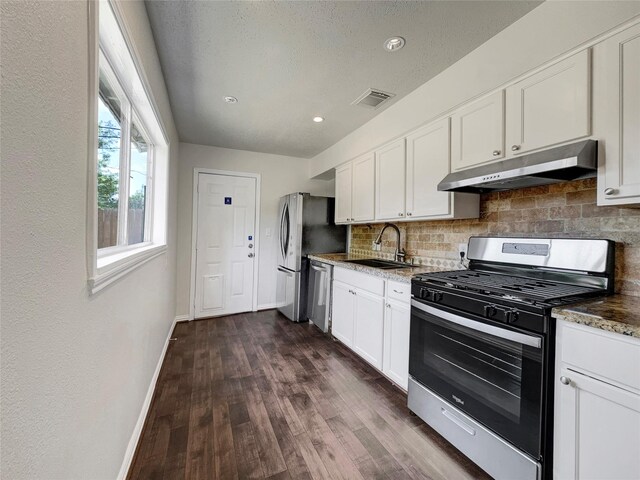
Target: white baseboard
137,430
267,306
182,318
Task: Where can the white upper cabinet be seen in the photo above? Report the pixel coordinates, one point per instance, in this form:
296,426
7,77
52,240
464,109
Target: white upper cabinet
363,199
478,132
355,185
549,107
428,162
344,175
390,178
616,117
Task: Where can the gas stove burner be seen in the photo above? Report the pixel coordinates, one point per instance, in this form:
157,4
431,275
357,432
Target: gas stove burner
510,286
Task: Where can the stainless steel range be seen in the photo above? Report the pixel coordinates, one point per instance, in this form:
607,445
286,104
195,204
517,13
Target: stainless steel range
482,346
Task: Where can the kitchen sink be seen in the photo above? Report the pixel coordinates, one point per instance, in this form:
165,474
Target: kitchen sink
377,263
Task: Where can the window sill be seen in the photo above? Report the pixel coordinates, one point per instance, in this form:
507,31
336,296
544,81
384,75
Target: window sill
113,266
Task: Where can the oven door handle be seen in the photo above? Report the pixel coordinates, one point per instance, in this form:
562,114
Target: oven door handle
480,327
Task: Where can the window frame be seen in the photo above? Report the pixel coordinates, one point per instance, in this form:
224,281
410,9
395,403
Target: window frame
108,264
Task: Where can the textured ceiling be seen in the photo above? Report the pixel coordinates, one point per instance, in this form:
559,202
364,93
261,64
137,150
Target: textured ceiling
289,61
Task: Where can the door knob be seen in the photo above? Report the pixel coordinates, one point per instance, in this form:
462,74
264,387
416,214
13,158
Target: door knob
250,255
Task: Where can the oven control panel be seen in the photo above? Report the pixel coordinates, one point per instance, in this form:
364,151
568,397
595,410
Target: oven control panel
505,311
507,315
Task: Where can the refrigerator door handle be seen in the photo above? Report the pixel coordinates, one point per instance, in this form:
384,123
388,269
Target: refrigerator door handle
286,230
282,239
284,270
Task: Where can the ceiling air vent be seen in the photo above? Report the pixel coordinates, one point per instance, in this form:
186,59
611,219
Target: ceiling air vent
372,98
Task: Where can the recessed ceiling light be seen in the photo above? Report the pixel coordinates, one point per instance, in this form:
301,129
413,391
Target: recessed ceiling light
231,99
394,43
318,119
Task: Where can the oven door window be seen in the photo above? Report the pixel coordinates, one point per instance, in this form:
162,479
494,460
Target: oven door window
495,380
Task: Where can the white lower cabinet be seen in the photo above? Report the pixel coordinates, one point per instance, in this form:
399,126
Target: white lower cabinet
369,327
397,319
342,314
371,316
597,406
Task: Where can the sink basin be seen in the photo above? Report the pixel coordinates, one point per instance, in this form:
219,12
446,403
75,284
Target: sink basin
377,263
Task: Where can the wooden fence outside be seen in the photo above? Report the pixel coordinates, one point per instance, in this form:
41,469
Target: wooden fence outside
108,226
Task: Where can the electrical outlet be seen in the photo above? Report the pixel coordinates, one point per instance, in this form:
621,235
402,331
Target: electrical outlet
462,249
375,246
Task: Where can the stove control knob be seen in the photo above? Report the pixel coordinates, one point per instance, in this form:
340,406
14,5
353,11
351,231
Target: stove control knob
425,294
436,296
490,311
511,316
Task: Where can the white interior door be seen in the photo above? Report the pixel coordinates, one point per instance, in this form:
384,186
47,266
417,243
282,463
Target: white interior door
225,244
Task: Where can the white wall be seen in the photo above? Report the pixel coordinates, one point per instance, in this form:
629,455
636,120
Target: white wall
546,32
280,175
75,369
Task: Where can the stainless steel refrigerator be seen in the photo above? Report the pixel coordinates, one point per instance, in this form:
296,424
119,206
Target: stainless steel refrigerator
306,226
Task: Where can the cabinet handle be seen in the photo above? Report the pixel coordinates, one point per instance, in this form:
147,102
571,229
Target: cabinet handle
496,153
401,214
609,191
515,148
398,291
388,305
408,214
250,255
565,380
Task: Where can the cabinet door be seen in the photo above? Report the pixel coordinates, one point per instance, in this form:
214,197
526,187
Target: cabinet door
428,162
616,116
390,178
397,320
342,315
363,188
343,193
550,107
477,132
369,319
597,430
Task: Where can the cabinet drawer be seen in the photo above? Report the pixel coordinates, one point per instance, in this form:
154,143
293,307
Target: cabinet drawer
360,280
602,354
399,291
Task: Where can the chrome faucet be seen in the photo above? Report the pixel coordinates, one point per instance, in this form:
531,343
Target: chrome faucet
400,253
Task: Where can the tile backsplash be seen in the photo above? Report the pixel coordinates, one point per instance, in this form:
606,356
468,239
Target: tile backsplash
560,210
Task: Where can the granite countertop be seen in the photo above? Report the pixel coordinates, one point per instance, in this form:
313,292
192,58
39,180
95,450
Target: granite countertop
616,313
397,274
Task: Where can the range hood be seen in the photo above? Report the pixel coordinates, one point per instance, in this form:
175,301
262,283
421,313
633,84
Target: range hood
560,164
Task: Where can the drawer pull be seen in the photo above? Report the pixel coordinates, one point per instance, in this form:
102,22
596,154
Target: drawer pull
457,421
398,291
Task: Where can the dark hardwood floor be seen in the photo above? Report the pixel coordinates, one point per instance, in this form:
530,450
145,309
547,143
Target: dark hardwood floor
257,396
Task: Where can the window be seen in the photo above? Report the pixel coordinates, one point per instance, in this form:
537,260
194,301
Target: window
127,224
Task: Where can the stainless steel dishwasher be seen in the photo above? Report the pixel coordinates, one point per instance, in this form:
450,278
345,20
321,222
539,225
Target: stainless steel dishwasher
319,295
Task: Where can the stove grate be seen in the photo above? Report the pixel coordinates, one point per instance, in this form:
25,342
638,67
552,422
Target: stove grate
517,286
